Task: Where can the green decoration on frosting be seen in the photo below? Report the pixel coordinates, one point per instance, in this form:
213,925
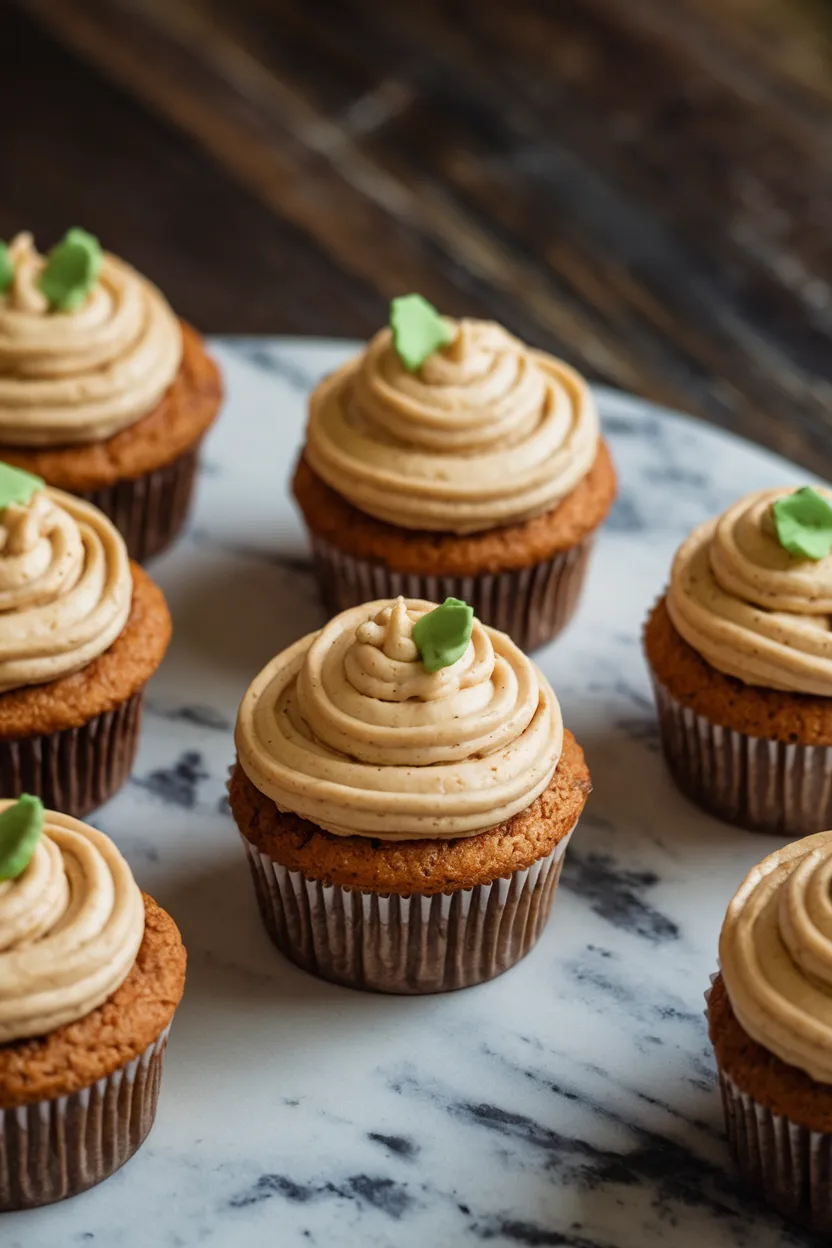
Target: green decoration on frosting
6,268
803,522
20,829
71,270
418,330
443,634
17,486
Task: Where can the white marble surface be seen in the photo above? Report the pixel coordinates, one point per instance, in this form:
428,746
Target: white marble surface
572,1102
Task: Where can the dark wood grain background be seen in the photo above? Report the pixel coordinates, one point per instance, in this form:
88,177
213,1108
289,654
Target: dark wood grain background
644,187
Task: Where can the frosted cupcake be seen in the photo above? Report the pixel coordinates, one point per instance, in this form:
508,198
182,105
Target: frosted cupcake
448,459
91,973
103,392
740,650
770,1019
82,630
406,791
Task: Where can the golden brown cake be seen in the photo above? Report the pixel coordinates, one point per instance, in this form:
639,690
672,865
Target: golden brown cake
104,684
78,1054
785,1090
772,714
425,867
510,548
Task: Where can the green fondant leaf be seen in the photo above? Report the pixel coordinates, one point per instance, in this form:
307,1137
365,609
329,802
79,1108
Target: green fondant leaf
17,486
418,330
443,634
71,270
20,829
803,522
6,268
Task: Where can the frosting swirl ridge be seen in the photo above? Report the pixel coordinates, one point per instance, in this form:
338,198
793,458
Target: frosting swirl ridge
81,376
486,433
65,588
348,729
749,607
776,954
70,928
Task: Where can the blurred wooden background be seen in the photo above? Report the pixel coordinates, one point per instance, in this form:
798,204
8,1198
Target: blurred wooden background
642,186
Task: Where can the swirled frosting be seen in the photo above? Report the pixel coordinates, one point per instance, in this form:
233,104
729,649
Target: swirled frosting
776,954
70,928
750,608
65,588
486,433
346,728
81,376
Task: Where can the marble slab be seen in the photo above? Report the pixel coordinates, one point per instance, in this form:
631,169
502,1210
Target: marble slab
572,1102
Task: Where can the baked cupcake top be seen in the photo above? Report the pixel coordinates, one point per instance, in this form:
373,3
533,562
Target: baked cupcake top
71,919
775,954
752,591
478,432
400,720
65,582
87,345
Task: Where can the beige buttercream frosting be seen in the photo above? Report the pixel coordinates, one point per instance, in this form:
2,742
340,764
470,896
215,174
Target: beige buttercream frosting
81,376
65,588
750,608
348,729
70,928
486,433
776,954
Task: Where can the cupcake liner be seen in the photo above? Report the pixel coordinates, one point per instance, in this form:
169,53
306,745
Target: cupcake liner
788,1164
78,769
149,511
54,1149
406,945
532,605
779,787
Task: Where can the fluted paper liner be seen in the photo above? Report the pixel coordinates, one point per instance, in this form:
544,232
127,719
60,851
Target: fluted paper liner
532,604
77,769
407,945
58,1148
779,787
789,1165
149,511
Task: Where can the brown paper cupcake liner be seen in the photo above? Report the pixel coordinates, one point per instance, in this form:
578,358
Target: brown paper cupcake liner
789,1165
58,1148
407,945
532,605
78,769
150,511
779,787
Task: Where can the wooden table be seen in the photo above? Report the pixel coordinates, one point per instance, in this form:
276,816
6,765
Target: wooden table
641,186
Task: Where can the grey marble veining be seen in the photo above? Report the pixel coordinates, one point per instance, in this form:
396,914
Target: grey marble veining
572,1102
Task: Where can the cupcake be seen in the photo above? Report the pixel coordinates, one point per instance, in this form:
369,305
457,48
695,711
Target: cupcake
740,652
448,459
770,1022
405,791
81,632
91,972
103,392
